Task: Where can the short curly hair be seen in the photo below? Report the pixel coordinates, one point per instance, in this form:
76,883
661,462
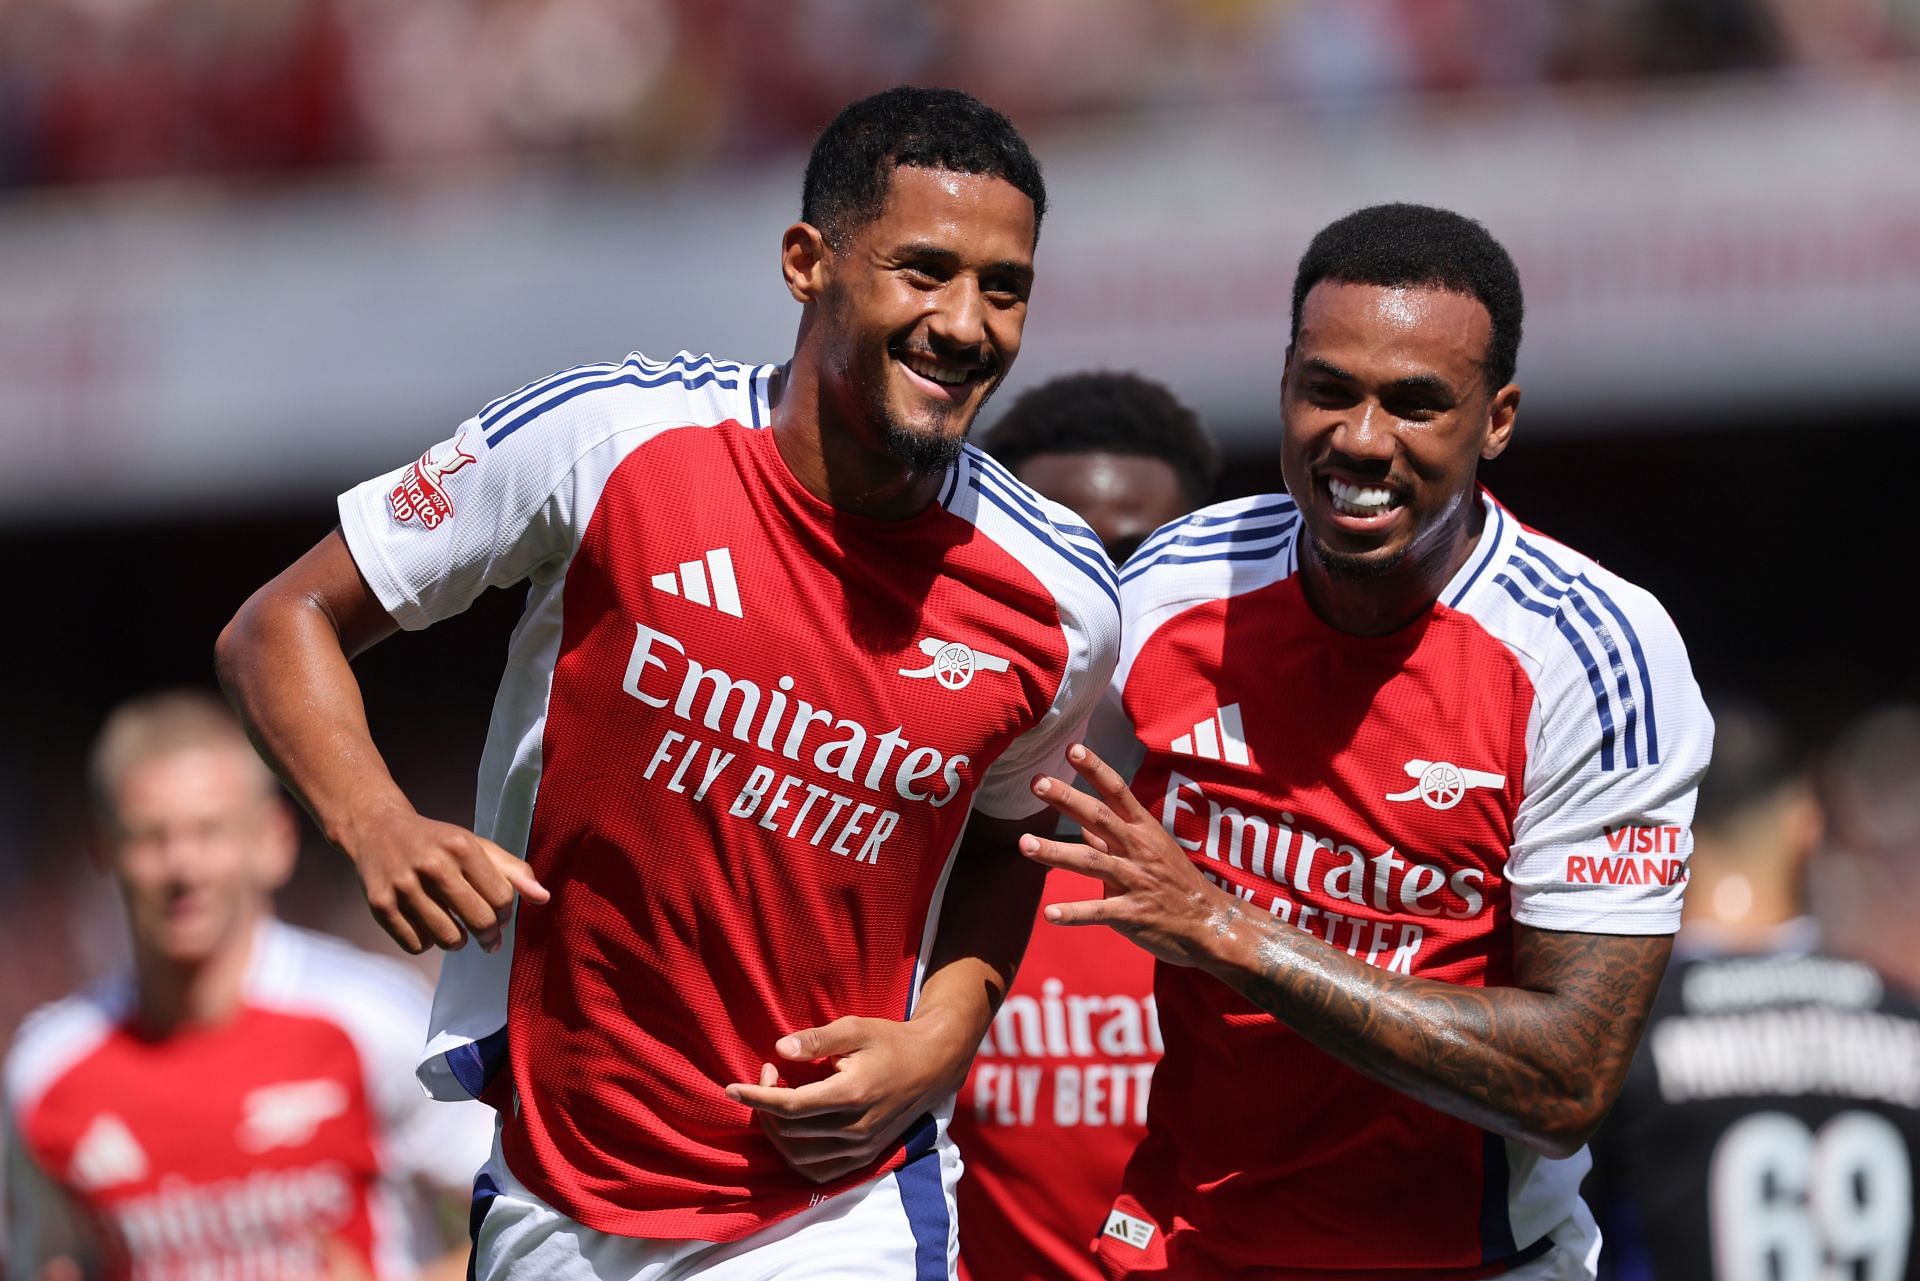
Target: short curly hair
853,161
1402,246
1114,413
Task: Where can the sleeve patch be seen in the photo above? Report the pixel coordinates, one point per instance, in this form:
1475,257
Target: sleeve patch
422,494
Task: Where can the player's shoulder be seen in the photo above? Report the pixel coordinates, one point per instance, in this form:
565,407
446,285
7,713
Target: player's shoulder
1223,550
1606,662
1048,538
58,1036
374,999
583,404
1554,603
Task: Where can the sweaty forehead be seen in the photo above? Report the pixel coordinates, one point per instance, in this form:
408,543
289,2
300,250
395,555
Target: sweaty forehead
946,204
1384,331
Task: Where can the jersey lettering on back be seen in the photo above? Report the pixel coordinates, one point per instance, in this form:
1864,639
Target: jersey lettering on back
1770,1124
1057,1099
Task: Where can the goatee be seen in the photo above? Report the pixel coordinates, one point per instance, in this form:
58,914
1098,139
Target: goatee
1351,568
928,453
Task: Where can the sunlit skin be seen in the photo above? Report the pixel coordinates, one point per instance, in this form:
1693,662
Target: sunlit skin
197,844
1122,497
941,274
1385,387
1745,876
941,277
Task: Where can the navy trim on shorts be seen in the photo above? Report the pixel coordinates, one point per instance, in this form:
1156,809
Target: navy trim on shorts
484,1191
1496,1229
925,1200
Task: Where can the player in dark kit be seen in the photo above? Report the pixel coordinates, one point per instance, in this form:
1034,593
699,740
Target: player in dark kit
1410,824
1769,1128
791,654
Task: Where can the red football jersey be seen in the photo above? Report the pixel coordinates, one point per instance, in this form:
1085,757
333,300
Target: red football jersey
1057,1099
1525,752
238,1149
739,736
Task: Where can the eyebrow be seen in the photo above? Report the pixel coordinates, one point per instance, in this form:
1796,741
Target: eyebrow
927,249
1420,384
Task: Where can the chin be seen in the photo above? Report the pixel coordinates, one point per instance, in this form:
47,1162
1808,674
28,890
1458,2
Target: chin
1358,567
927,450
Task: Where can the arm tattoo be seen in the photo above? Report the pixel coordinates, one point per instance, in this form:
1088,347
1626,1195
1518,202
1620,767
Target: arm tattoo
1539,1062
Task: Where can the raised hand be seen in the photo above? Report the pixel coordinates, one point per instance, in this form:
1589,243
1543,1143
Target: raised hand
1155,896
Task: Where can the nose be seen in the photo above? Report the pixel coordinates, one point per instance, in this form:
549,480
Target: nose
1366,433
960,319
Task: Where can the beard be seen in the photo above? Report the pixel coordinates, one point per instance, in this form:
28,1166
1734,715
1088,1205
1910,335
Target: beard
1349,567
923,452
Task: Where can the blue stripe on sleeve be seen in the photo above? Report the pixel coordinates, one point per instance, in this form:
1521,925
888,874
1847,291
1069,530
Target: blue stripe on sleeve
1012,489
626,380
1173,529
498,409
1582,652
1493,545
1102,574
1626,627
1136,568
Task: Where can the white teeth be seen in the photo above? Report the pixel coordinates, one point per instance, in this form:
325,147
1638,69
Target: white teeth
1357,500
934,373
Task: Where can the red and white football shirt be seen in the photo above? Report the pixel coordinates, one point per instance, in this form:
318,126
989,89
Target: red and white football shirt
1527,751
1056,1101
239,1149
738,737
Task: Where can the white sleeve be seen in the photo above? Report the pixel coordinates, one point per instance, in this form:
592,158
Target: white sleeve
429,537
1093,642
1604,828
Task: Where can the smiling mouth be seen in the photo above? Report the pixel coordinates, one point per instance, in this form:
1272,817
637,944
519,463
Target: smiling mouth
1362,502
948,378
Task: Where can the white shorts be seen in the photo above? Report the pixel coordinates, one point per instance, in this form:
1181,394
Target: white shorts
1575,1255
899,1227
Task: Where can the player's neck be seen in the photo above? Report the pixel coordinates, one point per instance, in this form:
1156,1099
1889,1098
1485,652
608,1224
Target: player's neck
175,994
834,461
1379,606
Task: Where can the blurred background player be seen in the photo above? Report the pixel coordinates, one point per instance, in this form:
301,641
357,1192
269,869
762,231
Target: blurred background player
1770,1123
792,652
1389,735
1057,1099
1868,891
1119,449
241,1103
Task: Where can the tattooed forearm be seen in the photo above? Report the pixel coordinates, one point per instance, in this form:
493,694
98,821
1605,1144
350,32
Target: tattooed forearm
1539,1062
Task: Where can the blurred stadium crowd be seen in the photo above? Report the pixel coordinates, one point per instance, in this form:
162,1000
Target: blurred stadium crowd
97,90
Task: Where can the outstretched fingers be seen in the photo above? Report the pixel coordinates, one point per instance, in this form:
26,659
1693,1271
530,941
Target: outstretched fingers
1072,856
1106,783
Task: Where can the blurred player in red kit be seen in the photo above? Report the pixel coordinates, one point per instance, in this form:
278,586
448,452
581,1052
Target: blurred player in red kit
1410,824
791,654
1057,1099
240,1103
